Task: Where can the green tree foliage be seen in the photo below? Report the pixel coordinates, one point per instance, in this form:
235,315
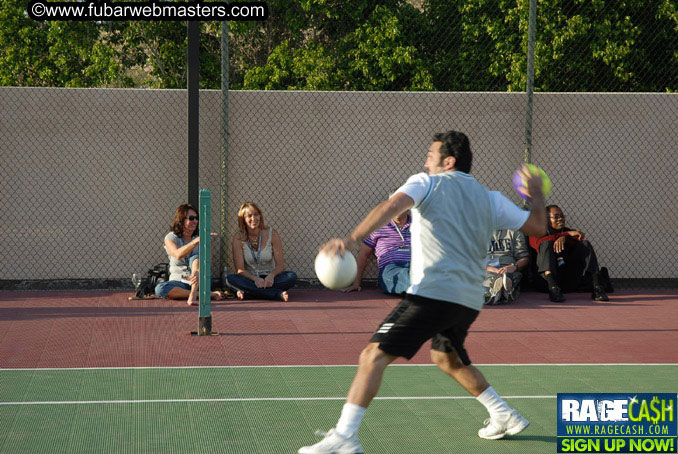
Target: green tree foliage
477,45
597,45
53,54
470,44
447,45
160,49
381,54
377,55
310,68
581,45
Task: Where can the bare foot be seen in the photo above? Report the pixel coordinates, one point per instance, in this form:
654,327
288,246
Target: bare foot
192,301
240,294
284,296
217,296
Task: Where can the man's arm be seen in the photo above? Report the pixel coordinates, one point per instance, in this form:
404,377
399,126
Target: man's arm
376,218
380,215
363,256
522,263
577,235
521,254
536,223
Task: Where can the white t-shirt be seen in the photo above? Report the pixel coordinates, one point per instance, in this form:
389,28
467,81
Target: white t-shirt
453,219
509,215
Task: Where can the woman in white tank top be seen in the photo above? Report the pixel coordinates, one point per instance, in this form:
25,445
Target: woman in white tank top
258,258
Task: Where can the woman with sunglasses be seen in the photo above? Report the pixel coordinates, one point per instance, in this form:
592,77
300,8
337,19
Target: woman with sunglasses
182,249
258,258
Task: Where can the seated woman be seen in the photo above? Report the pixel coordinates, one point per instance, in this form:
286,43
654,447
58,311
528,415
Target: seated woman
258,259
567,262
181,245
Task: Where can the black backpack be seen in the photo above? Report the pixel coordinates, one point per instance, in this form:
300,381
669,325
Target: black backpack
159,273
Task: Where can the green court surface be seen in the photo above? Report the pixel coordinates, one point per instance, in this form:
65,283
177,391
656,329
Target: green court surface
277,409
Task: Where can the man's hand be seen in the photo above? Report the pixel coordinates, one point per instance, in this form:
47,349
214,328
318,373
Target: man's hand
533,182
338,246
194,279
507,269
352,288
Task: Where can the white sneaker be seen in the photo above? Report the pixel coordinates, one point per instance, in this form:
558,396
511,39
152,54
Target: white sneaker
494,293
499,427
497,285
507,283
333,443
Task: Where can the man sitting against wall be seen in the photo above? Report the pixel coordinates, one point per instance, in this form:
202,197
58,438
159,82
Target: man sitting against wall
508,256
391,245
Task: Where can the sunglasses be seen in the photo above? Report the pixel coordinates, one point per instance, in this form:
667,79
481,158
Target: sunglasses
192,218
557,216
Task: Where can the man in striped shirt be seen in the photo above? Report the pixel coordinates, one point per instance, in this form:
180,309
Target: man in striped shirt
391,245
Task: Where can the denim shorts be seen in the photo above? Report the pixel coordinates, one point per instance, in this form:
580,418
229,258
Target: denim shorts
163,288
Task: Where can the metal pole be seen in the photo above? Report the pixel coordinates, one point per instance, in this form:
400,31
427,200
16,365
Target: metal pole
205,278
530,80
193,82
223,221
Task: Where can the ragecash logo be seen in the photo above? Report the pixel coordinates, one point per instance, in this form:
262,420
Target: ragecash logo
635,422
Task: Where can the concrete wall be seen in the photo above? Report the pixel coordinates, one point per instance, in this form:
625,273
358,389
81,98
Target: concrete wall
90,178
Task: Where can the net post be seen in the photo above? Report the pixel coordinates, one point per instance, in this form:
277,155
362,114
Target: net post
205,319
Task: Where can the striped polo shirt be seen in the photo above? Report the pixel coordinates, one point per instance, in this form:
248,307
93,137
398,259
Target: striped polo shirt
389,246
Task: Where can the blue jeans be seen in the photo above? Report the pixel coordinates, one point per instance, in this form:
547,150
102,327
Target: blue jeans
283,281
163,288
395,278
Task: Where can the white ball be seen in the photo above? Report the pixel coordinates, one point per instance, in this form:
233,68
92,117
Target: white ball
334,271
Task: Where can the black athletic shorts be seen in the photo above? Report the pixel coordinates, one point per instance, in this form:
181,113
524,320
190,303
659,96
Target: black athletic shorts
417,319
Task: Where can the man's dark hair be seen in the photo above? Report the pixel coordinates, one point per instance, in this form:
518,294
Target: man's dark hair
457,145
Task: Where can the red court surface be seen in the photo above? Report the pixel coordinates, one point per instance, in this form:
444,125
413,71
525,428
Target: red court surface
60,329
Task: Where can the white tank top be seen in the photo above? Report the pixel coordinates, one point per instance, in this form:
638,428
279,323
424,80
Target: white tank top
259,262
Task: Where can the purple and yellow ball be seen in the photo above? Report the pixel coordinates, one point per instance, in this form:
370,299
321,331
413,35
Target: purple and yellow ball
520,183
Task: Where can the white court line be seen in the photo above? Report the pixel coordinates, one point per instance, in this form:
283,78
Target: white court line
319,365
254,399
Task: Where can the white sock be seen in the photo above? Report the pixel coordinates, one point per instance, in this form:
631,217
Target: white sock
495,405
350,419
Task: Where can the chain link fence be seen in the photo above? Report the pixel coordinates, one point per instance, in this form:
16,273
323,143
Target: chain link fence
317,162
91,177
